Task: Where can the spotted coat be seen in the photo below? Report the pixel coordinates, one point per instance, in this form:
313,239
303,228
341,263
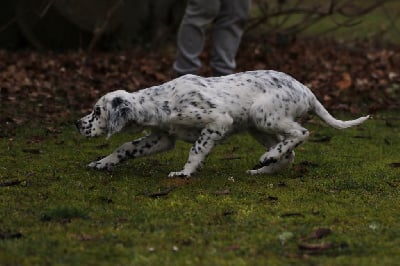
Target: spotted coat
203,111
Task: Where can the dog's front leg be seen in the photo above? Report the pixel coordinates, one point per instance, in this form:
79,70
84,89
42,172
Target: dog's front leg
200,149
141,147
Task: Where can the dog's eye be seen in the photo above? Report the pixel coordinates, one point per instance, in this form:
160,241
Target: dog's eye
97,111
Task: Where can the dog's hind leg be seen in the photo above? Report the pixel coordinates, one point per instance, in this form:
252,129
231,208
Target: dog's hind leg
282,154
269,141
153,143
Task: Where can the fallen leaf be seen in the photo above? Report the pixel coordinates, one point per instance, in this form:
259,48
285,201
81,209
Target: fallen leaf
272,198
222,192
362,137
320,139
160,76
395,165
292,214
228,212
232,247
345,83
284,237
308,164
10,235
231,157
319,233
315,248
160,193
106,200
82,237
9,183
300,169
32,151
373,226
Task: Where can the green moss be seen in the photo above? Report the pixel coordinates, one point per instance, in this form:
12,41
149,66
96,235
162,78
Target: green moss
67,214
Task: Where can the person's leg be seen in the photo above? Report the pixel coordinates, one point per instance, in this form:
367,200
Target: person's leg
227,34
191,35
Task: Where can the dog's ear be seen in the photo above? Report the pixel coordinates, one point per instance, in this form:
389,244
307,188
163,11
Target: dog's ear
119,114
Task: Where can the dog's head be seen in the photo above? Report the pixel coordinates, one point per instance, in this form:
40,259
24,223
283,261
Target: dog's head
110,114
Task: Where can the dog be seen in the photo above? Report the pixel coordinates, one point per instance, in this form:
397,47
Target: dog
204,111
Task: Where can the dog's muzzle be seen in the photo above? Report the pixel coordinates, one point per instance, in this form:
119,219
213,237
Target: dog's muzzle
78,124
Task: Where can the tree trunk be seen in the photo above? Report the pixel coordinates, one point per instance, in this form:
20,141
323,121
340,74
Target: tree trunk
10,35
63,24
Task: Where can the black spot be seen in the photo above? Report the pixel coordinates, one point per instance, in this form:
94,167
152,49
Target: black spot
211,105
166,108
269,161
97,111
117,101
279,148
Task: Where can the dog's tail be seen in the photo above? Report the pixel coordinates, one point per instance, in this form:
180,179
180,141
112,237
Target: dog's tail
320,110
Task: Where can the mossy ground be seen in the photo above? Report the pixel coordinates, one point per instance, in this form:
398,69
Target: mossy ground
55,211
380,24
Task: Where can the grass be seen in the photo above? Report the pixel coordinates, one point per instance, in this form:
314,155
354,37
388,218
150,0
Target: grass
55,211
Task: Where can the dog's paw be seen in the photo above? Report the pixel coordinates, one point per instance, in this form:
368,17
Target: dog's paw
253,172
270,170
262,170
182,174
99,165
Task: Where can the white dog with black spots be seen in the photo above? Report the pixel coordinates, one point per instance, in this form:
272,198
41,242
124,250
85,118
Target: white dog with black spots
203,111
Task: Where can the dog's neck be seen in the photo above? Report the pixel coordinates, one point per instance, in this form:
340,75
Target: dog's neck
150,110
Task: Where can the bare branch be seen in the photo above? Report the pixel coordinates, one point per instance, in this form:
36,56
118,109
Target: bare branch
310,15
99,31
8,24
46,8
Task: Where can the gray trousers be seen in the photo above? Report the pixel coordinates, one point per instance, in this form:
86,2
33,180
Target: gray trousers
228,18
